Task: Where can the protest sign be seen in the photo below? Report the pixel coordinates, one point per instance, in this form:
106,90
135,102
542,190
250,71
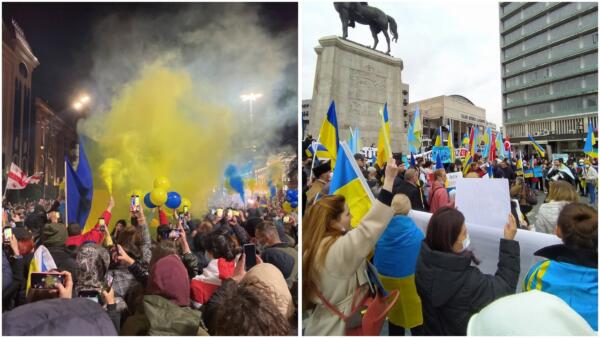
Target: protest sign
565,157
453,178
444,153
528,173
484,202
537,171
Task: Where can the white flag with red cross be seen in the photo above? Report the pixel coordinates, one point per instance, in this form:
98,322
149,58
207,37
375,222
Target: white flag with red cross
17,180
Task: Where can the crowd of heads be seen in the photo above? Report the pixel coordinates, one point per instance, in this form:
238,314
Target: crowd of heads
186,276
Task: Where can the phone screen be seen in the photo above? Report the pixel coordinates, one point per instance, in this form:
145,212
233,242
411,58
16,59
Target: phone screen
90,294
46,280
135,203
236,213
7,234
185,209
286,219
101,221
250,253
219,212
229,213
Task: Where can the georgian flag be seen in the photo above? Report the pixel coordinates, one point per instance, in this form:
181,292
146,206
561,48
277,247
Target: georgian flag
17,180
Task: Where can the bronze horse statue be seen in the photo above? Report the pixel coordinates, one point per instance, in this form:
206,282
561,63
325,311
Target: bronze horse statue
361,12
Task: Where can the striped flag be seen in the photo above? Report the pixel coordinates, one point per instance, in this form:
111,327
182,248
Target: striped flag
17,179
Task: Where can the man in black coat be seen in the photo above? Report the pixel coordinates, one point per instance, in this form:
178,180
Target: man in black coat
410,187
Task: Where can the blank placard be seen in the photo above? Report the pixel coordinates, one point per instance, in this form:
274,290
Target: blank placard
483,202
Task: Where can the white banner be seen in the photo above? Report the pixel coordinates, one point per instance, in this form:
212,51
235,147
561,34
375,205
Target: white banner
485,202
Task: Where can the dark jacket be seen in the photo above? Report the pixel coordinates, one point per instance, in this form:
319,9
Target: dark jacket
285,257
64,259
452,290
414,194
141,271
58,317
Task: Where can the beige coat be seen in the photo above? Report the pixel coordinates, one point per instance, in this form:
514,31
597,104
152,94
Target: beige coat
345,269
315,188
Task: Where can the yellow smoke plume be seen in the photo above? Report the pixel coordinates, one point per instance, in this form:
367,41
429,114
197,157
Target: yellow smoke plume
158,125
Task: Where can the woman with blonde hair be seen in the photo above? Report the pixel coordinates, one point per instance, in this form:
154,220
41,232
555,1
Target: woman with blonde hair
560,194
334,259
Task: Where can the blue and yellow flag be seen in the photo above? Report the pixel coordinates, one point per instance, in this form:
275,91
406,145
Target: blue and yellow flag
487,142
451,144
520,165
328,136
465,140
415,133
79,188
499,147
383,140
349,182
354,141
321,151
590,140
438,138
537,147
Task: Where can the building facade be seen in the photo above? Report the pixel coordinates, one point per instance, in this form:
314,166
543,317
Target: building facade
448,110
549,66
54,139
18,122
305,116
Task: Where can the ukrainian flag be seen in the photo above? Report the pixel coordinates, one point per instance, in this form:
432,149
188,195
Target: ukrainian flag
349,182
451,144
520,165
41,261
487,142
499,147
321,151
328,136
590,140
467,163
382,151
415,133
438,139
537,147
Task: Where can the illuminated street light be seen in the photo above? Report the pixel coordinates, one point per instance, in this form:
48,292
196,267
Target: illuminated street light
251,98
77,105
85,99
82,101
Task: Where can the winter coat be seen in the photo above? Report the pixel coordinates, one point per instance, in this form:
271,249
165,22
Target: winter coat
452,290
547,216
285,257
570,274
58,317
160,317
439,197
414,194
344,269
396,259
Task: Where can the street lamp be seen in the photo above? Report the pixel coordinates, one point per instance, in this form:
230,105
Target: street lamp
82,101
251,98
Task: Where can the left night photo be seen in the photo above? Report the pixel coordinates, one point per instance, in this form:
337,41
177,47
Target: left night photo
149,169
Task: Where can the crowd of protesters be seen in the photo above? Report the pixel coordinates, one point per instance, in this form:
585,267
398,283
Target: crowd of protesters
441,290
188,276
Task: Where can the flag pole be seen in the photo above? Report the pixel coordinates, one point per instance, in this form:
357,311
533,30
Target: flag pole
312,165
66,194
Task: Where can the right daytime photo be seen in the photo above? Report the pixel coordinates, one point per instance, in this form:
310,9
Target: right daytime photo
449,168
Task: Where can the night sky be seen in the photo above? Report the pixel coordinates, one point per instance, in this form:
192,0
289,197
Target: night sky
60,36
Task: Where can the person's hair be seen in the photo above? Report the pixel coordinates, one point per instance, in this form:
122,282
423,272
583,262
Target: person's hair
268,227
122,221
427,164
163,249
74,229
438,173
472,174
401,204
130,239
410,174
579,226
204,227
443,230
239,310
316,225
562,191
221,243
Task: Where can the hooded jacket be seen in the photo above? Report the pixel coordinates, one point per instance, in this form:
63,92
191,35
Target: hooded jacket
452,290
58,317
54,236
92,265
570,274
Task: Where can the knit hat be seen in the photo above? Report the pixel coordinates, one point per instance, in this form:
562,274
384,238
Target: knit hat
512,316
169,279
54,234
92,265
268,275
74,229
321,168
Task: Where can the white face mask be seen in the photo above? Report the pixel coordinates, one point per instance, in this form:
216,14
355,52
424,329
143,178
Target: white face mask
466,242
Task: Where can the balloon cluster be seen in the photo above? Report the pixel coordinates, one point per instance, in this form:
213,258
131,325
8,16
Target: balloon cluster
291,200
159,196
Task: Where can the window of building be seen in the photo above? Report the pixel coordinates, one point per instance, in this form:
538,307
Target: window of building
562,12
23,70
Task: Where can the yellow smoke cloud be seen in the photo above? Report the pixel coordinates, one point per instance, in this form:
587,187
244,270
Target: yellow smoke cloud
158,126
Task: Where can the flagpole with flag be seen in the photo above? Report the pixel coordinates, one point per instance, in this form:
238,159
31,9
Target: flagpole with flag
590,140
383,146
312,165
537,147
328,134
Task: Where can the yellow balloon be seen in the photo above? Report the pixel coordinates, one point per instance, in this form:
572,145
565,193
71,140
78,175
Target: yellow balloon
158,196
162,183
287,207
184,202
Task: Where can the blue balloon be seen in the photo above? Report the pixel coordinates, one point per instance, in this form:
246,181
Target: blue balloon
294,204
292,196
147,201
173,200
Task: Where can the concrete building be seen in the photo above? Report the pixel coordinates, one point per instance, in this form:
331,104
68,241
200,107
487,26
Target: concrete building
18,64
54,139
549,65
305,116
445,110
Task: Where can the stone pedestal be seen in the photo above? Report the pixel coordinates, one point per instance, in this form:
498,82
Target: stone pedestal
359,80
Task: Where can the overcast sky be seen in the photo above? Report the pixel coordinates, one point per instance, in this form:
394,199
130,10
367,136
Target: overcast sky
448,47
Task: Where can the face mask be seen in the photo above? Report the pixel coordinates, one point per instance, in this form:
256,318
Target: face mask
466,242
